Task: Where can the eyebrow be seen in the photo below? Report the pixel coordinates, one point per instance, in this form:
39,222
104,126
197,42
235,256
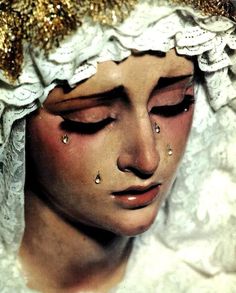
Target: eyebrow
120,91
113,93
164,82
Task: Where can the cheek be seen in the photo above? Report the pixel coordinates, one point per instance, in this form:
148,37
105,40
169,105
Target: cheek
175,132
62,165
178,129
53,160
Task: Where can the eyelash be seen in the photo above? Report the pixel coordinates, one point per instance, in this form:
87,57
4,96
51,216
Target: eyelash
85,128
94,127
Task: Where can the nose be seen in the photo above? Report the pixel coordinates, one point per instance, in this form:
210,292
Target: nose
139,152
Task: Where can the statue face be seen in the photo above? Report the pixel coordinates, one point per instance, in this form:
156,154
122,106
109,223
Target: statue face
105,153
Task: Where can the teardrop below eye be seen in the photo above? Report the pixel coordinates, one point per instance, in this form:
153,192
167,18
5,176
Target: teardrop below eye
65,139
157,128
98,179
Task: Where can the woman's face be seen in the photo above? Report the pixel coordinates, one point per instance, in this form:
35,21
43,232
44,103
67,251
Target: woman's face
111,121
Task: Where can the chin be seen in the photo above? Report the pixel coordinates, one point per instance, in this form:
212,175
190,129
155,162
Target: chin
135,222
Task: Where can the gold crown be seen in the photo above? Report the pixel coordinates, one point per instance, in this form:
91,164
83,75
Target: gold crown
212,7
44,23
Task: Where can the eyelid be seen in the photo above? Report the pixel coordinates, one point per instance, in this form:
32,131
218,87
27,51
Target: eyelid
86,128
172,94
175,109
90,115
76,104
69,117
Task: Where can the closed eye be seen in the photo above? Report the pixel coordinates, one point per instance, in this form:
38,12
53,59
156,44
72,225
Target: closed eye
174,110
85,128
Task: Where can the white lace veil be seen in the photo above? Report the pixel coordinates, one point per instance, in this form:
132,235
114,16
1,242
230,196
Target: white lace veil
198,220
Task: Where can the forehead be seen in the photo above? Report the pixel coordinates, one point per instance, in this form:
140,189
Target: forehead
139,72
143,68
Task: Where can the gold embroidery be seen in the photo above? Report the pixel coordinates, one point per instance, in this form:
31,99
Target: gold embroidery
11,55
44,23
211,7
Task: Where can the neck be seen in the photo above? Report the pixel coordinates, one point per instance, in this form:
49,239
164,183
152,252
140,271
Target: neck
61,257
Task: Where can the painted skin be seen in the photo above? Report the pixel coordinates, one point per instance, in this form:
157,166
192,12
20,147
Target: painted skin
109,120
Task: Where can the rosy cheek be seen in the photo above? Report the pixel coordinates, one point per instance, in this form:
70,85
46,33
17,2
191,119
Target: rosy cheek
43,147
46,132
56,159
176,129
181,127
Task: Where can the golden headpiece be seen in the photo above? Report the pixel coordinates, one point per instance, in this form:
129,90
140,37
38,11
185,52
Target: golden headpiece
44,23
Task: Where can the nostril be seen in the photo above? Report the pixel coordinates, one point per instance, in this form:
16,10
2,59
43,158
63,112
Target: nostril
136,168
138,172
141,174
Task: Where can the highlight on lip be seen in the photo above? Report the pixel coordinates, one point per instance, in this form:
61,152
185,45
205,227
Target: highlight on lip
137,197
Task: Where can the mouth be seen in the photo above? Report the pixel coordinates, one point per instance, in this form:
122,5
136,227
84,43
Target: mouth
136,197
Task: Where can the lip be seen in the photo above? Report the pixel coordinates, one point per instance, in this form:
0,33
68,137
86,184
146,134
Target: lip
136,197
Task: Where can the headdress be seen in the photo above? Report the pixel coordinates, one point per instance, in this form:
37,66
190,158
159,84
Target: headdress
43,42
44,23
